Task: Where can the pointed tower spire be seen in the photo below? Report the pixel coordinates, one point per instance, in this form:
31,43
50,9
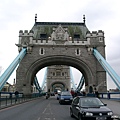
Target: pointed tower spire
84,18
35,18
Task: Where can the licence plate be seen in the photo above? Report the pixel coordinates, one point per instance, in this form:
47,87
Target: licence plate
100,118
66,100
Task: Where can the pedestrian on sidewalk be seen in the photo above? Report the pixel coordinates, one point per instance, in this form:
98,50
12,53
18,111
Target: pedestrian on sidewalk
16,95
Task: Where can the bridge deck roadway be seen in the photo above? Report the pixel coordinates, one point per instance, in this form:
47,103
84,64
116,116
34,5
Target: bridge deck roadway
42,109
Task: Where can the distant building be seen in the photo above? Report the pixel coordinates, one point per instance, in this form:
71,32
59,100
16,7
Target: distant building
8,87
114,90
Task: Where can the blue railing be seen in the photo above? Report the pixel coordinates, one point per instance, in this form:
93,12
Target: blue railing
107,95
110,95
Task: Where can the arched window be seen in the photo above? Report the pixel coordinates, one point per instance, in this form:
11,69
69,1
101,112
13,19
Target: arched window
41,51
77,51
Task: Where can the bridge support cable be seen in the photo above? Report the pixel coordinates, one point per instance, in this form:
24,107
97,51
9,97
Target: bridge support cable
44,79
108,68
4,77
81,83
37,85
72,80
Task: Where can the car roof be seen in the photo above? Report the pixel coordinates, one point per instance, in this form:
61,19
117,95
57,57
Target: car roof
65,91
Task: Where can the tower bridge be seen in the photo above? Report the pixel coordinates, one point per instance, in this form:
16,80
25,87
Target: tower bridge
61,43
50,44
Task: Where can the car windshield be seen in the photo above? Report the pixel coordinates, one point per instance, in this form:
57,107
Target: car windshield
90,102
66,93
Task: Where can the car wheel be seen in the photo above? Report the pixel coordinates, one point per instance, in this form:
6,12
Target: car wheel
79,117
71,113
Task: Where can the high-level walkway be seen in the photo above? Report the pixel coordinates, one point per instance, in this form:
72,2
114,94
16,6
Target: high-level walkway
46,109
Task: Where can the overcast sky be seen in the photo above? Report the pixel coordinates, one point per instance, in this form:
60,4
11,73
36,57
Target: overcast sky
18,15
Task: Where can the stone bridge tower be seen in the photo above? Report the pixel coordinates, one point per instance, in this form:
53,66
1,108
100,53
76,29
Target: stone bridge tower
58,78
61,43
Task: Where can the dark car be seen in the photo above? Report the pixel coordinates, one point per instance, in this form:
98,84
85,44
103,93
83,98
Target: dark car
65,97
90,108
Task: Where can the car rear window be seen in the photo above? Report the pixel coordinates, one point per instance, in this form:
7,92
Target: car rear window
65,93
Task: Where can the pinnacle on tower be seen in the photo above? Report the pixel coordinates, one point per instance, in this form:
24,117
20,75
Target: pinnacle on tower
35,18
84,18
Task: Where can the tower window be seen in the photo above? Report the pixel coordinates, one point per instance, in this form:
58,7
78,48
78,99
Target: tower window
58,73
43,36
77,51
100,39
41,51
53,74
76,36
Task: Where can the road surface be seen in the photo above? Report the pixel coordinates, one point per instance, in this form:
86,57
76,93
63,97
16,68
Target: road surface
44,109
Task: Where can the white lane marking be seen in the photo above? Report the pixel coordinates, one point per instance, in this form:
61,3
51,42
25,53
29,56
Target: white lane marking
38,118
50,119
50,111
44,110
47,108
47,111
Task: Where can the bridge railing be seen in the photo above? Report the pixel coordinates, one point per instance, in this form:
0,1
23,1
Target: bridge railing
107,95
110,95
8,99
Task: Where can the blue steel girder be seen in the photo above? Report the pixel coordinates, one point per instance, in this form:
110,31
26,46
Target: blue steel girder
107,68
44,79
4,77
81,83
72,80
37,84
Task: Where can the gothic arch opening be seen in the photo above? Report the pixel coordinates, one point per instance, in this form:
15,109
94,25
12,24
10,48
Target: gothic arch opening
58,60
58,86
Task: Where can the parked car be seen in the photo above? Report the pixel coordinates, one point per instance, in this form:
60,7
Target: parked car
90,108
65,97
